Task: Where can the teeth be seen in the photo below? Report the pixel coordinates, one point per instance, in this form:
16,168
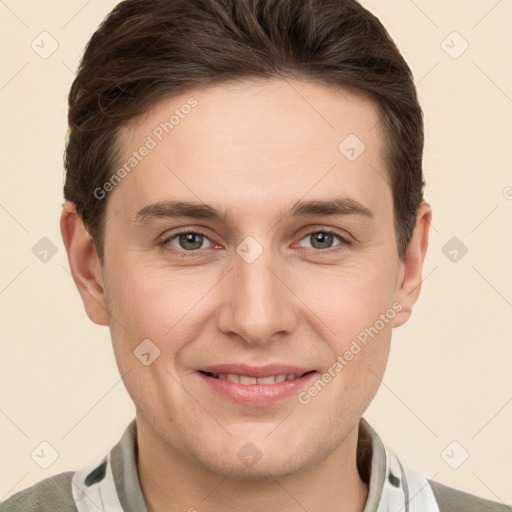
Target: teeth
249,381
265,380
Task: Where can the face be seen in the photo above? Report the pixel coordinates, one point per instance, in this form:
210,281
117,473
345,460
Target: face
253,240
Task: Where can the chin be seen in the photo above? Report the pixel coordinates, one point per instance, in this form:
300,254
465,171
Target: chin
245,460
263,469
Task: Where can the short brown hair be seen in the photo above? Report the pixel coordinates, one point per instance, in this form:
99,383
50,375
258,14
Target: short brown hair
145,51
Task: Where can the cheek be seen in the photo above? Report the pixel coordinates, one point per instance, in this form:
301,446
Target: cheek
167,307
151,300
137,310
348,298
353,309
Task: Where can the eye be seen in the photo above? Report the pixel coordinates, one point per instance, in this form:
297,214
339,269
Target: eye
189,241
323,239
194,241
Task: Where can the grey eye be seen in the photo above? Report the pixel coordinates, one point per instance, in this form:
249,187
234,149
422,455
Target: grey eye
188,241
321,240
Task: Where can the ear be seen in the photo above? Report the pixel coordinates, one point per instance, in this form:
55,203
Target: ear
410,272
84,263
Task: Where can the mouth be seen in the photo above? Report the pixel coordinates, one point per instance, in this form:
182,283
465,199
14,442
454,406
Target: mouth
247,380
255,386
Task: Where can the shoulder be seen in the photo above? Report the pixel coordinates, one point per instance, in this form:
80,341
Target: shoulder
52,494
453,500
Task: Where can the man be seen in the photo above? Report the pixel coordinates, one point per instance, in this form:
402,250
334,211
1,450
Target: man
244,210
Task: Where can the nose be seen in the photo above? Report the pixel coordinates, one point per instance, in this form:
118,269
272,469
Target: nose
259,303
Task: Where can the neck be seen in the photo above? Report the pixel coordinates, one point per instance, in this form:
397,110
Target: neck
171,481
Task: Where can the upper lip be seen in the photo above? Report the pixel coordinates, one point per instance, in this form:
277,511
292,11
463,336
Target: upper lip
256,371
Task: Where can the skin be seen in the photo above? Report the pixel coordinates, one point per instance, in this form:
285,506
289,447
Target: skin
251,149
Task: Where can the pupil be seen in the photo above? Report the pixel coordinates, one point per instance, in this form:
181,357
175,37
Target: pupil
324,239
191,238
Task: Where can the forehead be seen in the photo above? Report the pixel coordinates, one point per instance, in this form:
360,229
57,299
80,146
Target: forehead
257,142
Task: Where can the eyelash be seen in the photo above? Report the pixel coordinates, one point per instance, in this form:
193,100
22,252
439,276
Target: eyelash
344,241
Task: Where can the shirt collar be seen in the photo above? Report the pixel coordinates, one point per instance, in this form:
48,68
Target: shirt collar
371,455
371,460
123,458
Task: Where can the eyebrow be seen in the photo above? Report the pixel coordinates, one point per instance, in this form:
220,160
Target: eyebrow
172,209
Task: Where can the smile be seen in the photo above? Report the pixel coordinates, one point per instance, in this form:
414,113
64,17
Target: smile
249,381
255,390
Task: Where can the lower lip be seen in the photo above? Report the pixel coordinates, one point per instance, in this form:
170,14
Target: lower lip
257,395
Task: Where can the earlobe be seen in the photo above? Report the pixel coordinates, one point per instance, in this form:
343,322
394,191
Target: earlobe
410,276
84,263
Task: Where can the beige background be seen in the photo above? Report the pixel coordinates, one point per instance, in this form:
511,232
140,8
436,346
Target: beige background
449,376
